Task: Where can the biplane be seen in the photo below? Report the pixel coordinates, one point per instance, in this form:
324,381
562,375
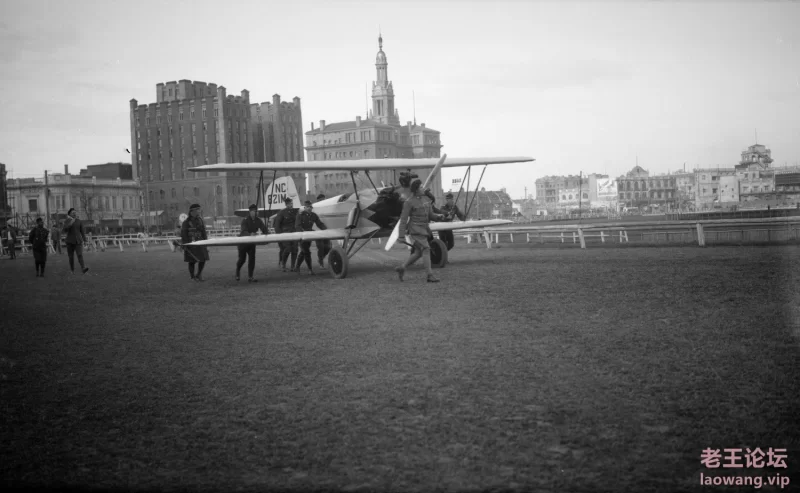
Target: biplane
366,213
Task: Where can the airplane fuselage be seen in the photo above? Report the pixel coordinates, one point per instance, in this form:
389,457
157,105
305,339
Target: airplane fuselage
381,209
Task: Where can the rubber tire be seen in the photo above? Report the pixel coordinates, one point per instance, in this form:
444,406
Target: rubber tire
338,262
438,253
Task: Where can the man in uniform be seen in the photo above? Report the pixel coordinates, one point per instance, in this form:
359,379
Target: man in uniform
449,209
250,227
414,222
305,222
323,246
284,223
38,239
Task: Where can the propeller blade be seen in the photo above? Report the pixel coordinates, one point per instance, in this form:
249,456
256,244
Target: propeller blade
396,231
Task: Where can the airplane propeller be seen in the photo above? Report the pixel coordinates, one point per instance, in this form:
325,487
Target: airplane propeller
396,232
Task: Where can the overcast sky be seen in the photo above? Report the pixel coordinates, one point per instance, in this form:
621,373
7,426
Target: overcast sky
580,86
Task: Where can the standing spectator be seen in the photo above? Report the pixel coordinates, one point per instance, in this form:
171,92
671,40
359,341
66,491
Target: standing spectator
75,238
194,229
38,239
10,238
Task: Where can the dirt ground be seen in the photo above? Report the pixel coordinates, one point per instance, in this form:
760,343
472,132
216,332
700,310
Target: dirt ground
527,368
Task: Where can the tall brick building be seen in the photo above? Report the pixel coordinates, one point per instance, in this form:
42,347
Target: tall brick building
193,124
278,136
379,135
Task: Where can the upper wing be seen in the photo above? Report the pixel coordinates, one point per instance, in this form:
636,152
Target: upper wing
482,223
360,164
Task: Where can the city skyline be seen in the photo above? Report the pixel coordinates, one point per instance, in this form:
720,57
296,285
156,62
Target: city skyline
581,87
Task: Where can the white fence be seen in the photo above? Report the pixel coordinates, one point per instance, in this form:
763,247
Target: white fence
714,230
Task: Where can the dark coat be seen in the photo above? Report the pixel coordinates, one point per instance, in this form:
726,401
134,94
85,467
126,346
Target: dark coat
38,238
194,229
306,220
74,231
285,221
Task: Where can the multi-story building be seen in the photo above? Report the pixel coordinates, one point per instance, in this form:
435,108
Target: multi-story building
379,135
487,204
755,179
787,185
192,124
550,190
105,203
278,137
707,186
685,190
638,189
5,208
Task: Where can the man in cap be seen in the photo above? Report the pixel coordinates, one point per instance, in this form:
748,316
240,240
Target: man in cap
450,209
38,239
194,229
323,246
285,223
305,222
250,227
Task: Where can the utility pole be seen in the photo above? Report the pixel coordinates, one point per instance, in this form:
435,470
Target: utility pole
46,200
580,193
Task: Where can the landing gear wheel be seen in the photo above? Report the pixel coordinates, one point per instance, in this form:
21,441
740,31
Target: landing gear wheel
338,262
438,253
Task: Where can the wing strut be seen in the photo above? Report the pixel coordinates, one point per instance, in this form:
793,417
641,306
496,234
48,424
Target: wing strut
475,194
258,192
366,240
272,193
462,185
366,172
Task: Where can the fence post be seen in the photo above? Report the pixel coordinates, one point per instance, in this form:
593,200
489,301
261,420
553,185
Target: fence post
701,239
486,235
580,235
562,237
602,237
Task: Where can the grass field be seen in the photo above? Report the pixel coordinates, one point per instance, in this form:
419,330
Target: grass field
526,369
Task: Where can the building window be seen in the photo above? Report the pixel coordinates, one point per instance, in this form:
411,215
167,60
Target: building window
173,193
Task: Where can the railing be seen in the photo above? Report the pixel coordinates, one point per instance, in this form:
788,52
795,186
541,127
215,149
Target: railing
720,230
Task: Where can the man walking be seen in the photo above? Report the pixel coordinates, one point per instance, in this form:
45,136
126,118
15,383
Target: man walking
305,222
38,239
414,222
250,227
285,223
75,238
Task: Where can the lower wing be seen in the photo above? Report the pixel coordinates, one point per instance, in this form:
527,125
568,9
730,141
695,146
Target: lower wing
482,223
325,234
